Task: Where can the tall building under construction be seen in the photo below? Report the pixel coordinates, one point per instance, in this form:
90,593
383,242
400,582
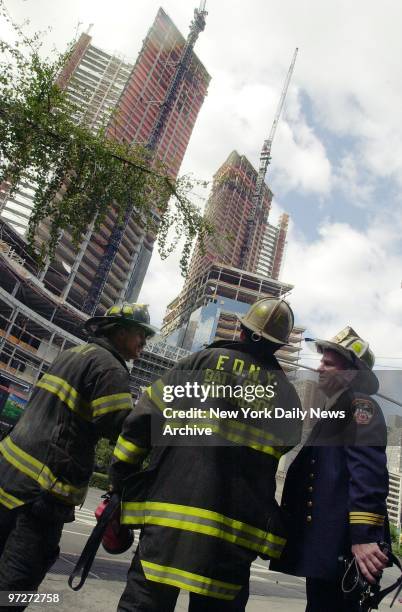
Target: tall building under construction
240,263
94,81
270,260
228,208
153,103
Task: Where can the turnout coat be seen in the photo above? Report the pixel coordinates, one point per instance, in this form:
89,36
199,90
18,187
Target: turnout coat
335,490
85,395
206,505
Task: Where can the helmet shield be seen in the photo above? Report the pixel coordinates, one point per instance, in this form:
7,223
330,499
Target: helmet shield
349,344
357,352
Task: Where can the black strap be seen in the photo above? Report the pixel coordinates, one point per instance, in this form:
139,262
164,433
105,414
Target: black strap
90,549
376,598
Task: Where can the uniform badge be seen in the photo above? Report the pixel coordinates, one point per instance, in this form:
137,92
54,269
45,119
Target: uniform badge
363,411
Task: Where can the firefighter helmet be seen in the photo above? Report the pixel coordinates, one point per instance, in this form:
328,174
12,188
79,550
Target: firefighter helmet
123,315
349,344
270,318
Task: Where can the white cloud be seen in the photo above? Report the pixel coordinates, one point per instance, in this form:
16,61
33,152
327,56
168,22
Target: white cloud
347,66
348,277
301,161
354,184
341,130
163,283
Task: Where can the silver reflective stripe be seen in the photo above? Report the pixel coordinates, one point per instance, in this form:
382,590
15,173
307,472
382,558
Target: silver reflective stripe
123,454
155,393
26,464
246,435
66,393
110,403
237,433
198,520
190,581
8,500
127,451
41,473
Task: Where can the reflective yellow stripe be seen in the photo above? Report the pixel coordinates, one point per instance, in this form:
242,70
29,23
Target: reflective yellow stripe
268,549
83,348
366,518
41,473
194,511
77,349
255,431
56,380
276,539
232,430
31,468
8,500
60,394
223,428
245,436
109,398
127,451
190,581
66,393
200,520
111,403
156,394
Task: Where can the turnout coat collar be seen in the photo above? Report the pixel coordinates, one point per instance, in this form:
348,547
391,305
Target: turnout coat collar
106,344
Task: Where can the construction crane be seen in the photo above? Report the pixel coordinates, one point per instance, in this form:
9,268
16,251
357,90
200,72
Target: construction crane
265,158
196,27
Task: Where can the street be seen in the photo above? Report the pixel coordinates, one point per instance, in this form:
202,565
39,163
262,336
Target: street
269,591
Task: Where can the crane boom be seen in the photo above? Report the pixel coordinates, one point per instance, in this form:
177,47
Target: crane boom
265,159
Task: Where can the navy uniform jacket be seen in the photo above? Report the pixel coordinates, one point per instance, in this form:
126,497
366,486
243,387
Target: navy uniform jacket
335,490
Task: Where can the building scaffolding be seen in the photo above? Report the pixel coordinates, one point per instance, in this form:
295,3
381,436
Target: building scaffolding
36,325
219,280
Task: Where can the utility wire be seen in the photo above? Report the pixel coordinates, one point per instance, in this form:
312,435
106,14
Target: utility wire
300,365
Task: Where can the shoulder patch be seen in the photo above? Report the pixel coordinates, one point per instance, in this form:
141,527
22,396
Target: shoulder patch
363,410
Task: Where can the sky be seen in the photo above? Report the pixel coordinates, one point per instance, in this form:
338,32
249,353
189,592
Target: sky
337,156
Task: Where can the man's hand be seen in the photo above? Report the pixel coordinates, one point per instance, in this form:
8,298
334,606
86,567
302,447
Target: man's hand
371,560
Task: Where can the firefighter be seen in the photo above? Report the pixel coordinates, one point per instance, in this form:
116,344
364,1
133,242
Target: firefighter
335,490
206,506
47,460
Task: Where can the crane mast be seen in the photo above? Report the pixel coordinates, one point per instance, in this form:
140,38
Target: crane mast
196,27
265,159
